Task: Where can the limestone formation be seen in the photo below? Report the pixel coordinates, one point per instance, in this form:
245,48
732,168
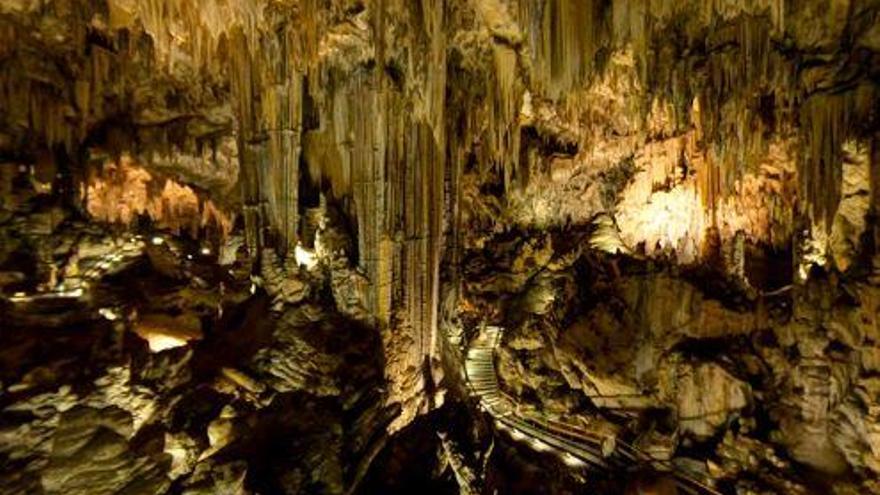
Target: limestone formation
246,245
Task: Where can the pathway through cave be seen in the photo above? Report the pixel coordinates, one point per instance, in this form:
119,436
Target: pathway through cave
578,447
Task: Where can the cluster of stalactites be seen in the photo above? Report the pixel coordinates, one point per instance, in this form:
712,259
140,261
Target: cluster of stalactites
552,49
379,148
724,58
111,51
733,74
372,144
268,65
751,92
122,191
47,105
261,47
827,120
195,34
562,38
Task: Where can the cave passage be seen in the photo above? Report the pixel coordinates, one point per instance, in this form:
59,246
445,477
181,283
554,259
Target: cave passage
258,247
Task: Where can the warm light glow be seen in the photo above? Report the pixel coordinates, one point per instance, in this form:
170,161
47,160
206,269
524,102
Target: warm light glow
540,446
20,297
109,314
572,461
124,190
668,220
605,237
206,251
159,342
157,241
163,332
814,249
608,446
305,257
674,216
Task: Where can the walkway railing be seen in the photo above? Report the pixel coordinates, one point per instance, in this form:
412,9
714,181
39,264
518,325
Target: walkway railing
576,445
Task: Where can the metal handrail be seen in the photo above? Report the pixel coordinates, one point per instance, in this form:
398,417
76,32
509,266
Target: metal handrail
565,437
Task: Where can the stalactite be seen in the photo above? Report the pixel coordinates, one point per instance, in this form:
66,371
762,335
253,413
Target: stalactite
505,132
123,191
281,106
730,123
562,40
384,156
826,121
243,88
268,69
629,21
397,124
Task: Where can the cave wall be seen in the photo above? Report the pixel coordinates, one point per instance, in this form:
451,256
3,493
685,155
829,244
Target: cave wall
391,105
697,131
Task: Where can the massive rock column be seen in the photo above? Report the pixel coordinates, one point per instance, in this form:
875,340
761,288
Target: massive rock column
268,88
378,150
386,153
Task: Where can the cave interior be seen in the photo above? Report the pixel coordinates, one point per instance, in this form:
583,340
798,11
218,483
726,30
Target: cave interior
356,247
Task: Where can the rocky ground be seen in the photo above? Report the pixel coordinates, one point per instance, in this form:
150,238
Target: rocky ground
245,243
766,391
161,367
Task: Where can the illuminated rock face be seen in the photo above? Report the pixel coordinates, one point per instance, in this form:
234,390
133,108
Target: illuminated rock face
242,206
122,193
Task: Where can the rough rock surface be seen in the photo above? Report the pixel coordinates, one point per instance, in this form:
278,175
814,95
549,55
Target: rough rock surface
244,243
